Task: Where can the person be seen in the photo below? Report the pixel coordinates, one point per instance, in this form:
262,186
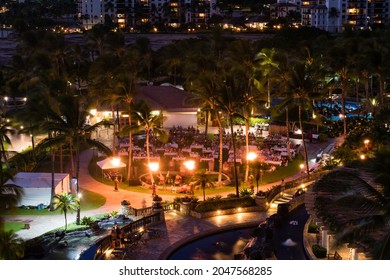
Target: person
252,188
154,189
116,183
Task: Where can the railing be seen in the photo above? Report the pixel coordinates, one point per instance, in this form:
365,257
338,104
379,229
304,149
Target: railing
148,210
105,244
277,189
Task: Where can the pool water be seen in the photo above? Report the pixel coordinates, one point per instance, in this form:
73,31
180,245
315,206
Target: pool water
219,246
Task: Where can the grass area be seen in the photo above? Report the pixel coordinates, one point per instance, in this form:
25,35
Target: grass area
89,200
283,172
268,177
15,226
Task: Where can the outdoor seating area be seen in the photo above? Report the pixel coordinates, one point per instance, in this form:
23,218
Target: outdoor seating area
126,244
189,144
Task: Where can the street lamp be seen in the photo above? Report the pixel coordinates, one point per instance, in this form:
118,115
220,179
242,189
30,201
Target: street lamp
366,142
301,166
189,164
153,167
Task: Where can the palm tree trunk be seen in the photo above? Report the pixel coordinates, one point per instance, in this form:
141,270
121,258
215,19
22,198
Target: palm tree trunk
288,135
130,152
3,152
343,94
247,148
303,141
71,159
114,131
66,221
77,177
234,154
148,156
206,127
220,151
61,160
52,154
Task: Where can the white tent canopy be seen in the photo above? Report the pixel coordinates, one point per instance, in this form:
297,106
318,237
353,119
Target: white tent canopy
37,186
111,163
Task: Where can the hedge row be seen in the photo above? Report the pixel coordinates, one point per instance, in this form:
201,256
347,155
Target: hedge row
225,203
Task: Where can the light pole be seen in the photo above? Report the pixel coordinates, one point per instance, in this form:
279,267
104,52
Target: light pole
301,166
190,165
251,156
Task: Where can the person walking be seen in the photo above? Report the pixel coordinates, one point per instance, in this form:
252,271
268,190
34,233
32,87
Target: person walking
116,184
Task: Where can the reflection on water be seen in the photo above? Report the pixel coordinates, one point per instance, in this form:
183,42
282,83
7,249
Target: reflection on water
219,246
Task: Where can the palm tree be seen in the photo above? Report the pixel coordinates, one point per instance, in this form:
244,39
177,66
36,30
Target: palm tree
299,89
150,123
229,101
266,60
126,89
205,89
203,179
11,246
241,56
10,194
68,126
340,58
5,129
66,203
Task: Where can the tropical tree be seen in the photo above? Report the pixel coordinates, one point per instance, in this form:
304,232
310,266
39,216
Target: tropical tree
300,88
205,89
340,60
267,64
125,89
203,179
229,101
150,123
68,126
67,203
11,246
241,59
5,130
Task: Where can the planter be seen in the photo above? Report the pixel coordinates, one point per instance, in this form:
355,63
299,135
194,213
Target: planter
185,208
126,209
261,202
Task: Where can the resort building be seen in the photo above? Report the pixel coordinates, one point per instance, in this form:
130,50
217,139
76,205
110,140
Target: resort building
131,13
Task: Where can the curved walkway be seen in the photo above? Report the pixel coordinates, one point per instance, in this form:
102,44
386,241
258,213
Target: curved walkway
177,226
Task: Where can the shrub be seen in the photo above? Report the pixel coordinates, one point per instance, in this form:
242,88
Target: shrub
113,213
226,203
319,251
313,228
86,221
245,192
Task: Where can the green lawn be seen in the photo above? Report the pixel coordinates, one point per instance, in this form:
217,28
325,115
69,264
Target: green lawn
89,200
268,177
15,226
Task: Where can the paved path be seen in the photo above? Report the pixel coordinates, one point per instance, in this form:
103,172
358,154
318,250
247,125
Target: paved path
43,224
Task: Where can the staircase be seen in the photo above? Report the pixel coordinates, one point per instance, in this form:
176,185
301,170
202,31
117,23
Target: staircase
282,199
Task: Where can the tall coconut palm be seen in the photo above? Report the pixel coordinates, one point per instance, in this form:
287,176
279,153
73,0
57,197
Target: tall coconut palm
229,101
241,57
67,203
69,126
125,89
267,64
205,89
299,88
340,59
5,130
150,123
